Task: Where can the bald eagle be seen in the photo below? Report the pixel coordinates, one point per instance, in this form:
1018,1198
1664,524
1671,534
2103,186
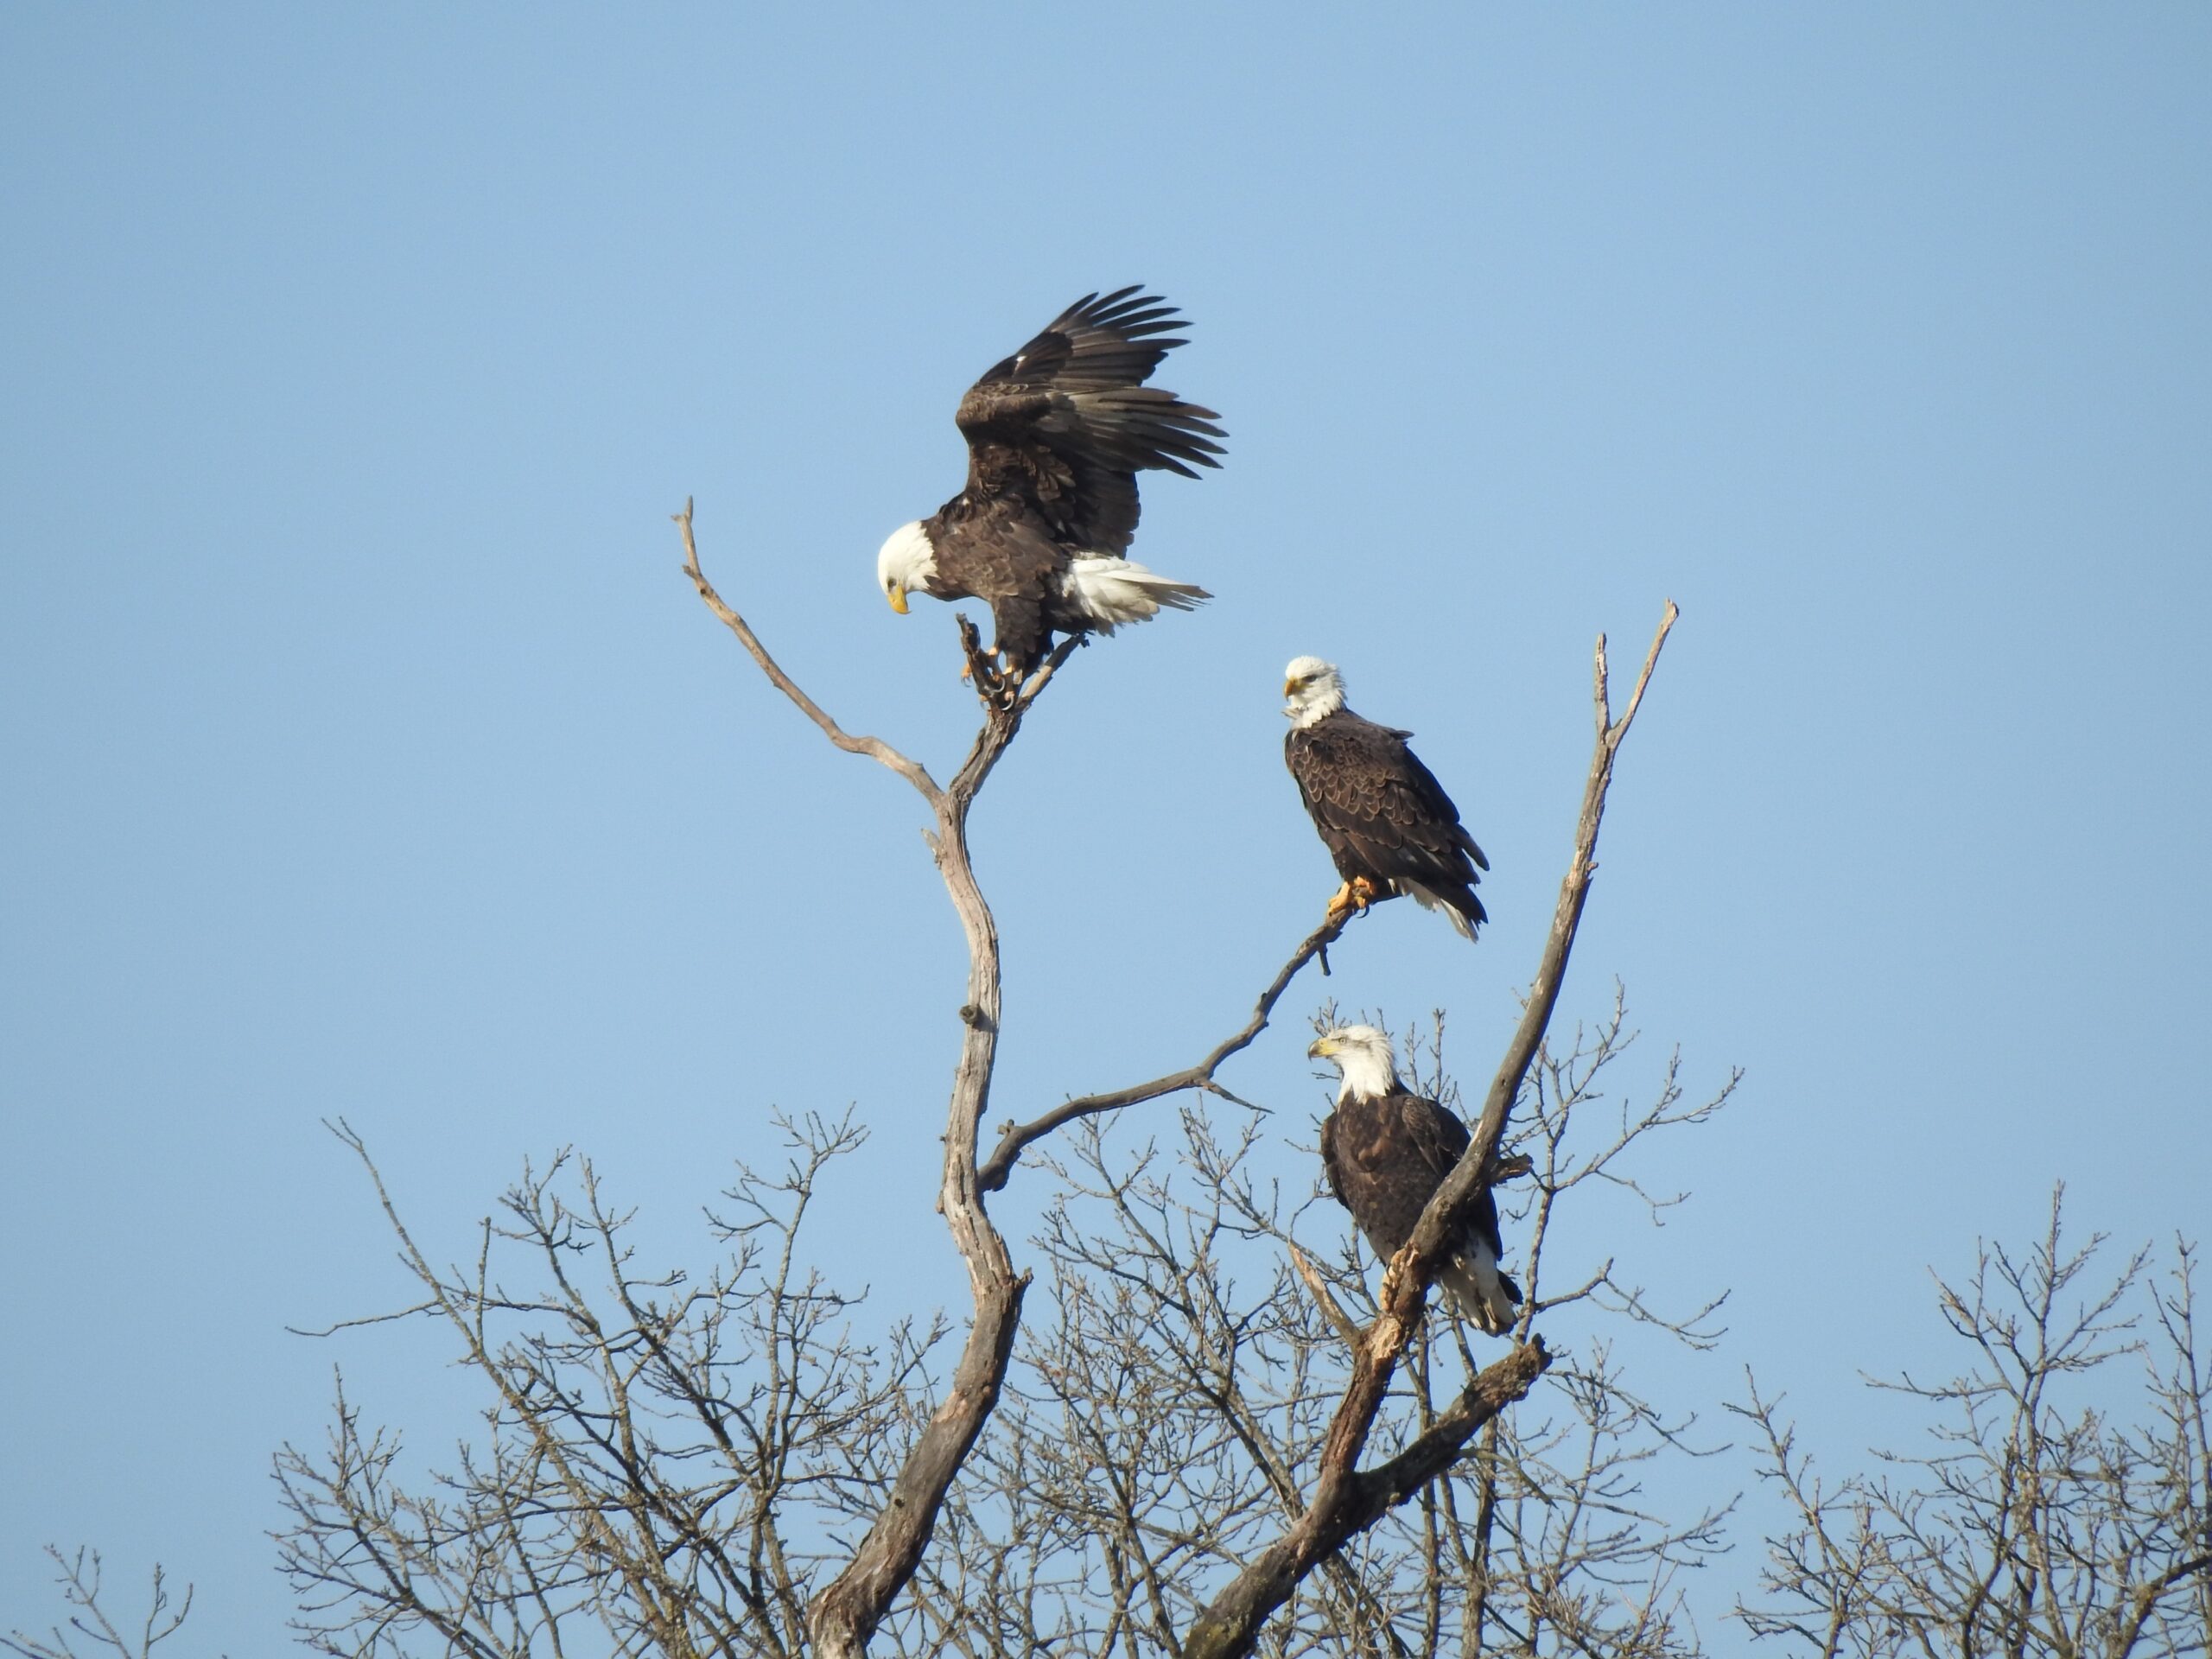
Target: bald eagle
1057,435
1386,1151
1384,818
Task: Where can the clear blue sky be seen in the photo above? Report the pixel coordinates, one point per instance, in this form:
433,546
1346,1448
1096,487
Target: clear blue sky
367,754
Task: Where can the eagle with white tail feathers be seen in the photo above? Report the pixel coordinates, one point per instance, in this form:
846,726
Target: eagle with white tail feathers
1386,820
1057,435
1386,1150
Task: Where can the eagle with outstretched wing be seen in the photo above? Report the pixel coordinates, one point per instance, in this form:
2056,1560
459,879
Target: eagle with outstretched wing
1057,434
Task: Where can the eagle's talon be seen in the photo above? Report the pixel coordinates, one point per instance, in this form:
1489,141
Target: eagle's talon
1353,898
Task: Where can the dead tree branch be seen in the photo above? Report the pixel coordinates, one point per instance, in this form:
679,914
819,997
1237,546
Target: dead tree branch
845,1615
1324,1298
1013,1137
1346,1499
874,747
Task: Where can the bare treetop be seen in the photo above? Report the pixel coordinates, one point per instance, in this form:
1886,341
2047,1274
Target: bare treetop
722,1468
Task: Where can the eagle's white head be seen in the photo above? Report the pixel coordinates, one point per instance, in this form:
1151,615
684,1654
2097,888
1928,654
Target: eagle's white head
905,562
1360,1053
1311,690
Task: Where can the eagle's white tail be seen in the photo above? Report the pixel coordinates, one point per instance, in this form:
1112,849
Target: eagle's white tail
1479,1291
1428,900
1113,591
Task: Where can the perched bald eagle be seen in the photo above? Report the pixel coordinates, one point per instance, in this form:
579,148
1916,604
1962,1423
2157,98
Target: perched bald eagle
1386,1151
1381,814
1057,435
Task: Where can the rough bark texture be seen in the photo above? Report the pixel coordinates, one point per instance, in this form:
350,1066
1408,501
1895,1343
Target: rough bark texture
845,1615
1350,1501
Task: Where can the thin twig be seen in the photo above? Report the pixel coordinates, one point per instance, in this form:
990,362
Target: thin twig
1346,1326
874,747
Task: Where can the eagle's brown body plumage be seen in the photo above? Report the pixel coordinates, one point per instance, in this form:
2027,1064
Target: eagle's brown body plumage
1381,814
1385,1150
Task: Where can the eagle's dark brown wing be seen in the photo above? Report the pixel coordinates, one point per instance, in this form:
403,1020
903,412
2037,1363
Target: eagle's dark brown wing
1380,812
1430,1133
1384,1160
1064,426
1434,1135
1330,1165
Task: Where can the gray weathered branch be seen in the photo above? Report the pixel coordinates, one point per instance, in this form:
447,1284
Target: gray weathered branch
874,747
845,1615
1014,1137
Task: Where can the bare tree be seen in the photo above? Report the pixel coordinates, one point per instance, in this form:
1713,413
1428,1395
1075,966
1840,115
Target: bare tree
1228,1433
2064,1502
1161,1425
662,1459
1563,1549
725,1468
79,1576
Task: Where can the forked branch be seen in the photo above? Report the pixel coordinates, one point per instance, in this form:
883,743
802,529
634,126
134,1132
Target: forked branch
81,1588
874,747
1014,1137
1346,1499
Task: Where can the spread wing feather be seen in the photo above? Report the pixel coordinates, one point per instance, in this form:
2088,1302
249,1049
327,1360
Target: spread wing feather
1067,423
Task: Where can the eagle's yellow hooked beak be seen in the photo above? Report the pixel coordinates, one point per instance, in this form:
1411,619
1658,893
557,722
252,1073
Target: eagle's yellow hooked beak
898,596
1289,686
1320,1048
